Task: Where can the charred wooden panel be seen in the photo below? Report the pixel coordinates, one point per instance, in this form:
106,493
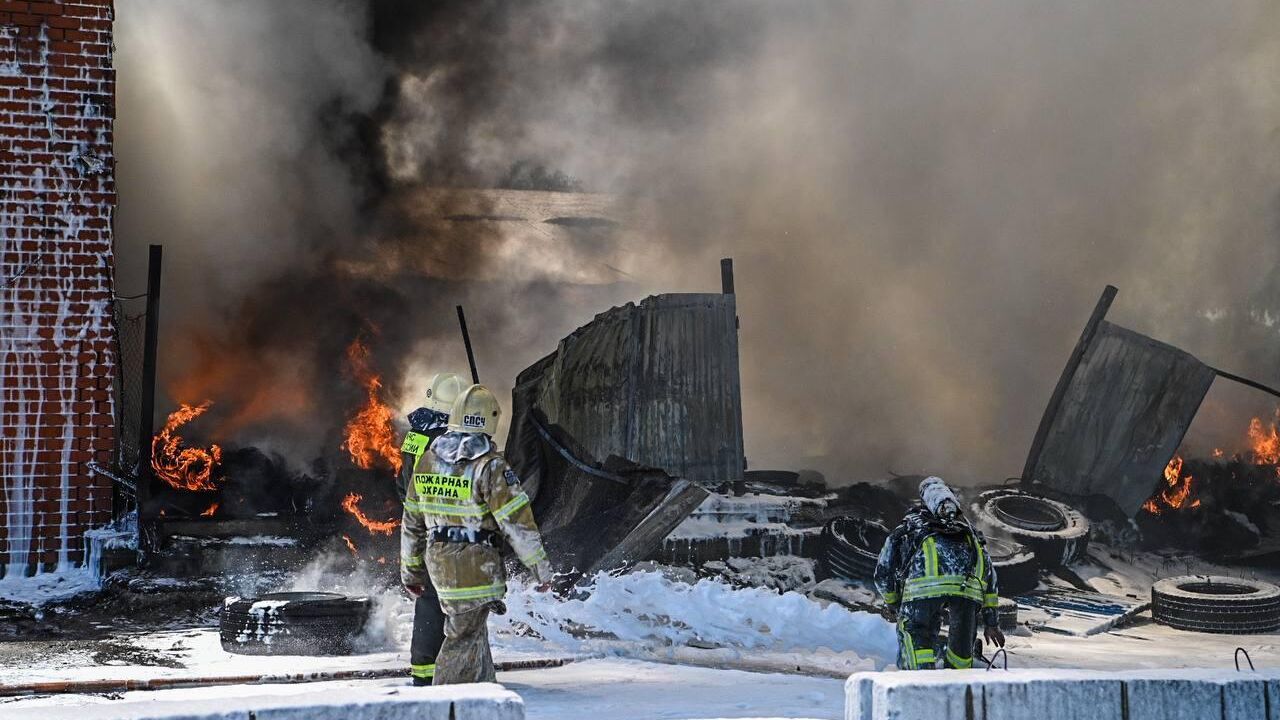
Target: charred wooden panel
656,384
1122,415
616,432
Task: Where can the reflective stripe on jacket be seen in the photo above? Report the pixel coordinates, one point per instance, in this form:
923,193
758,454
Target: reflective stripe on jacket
414,445
926,558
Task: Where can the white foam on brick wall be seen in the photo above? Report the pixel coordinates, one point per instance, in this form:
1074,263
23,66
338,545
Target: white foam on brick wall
453,702
55,288
1063,695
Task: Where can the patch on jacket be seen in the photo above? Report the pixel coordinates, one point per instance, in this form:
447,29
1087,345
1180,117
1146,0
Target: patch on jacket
414,443
510,476
443,487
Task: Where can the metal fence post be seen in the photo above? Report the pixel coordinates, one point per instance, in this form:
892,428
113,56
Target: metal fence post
146,419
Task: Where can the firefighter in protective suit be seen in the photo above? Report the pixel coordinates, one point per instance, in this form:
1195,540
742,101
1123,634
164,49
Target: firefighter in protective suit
462,502
426,424
934,564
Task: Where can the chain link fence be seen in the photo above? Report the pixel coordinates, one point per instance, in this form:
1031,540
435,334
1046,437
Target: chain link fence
131,322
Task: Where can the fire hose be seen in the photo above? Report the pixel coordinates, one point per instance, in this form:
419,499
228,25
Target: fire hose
63,687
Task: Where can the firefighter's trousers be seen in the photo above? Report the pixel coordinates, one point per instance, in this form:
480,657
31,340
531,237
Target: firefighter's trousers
465,656
428,635
919,627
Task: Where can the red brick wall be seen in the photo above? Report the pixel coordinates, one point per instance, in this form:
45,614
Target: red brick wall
57,356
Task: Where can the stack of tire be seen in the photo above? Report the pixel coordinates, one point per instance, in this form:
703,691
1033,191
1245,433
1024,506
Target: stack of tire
851,547
1057,533
1215,604
1017,570
293,623
1008,614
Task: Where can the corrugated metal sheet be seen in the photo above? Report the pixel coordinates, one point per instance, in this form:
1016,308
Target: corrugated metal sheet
655,383
1122,417
615,433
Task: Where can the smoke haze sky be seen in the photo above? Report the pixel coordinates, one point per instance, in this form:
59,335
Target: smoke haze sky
923,200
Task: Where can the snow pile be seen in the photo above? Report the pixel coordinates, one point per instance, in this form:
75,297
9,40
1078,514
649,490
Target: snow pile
71,580
780,573
728,516
648,608
50,587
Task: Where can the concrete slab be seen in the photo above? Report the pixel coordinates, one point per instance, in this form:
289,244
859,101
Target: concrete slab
1063,695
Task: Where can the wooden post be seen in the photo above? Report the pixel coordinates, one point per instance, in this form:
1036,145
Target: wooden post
1073,362
466,340
726,276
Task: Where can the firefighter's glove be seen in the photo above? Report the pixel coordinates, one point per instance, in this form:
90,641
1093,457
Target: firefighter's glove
994,635
891,613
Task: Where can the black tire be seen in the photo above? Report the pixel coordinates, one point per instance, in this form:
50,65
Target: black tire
296,623
852,547
1017,570
1213,604
1008,614
1057,533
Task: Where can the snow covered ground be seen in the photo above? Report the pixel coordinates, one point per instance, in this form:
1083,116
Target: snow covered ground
607,688
656,643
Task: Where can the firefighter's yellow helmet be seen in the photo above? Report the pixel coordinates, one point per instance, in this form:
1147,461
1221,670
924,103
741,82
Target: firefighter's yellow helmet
475,411
445,388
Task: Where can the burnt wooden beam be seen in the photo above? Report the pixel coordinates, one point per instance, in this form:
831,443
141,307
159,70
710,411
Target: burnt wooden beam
726,276
466,340
1246,381
1073,363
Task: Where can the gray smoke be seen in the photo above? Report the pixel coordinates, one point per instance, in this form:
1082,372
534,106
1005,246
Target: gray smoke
923,200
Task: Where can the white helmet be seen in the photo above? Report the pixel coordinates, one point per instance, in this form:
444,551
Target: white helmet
445,388
475,411
938,498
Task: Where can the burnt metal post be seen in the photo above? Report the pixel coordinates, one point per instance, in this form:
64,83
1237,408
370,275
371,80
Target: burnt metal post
466,340
146,416
726,276
1073,362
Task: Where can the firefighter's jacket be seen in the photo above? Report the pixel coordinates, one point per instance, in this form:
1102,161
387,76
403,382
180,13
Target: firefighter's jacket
476,496
425,425
929,557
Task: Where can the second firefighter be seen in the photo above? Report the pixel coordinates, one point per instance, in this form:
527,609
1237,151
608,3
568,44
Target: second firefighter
935,566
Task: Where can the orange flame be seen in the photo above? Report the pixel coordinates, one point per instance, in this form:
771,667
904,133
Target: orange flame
184,468
209,513
1176,495
1264,441
370,437
351,503
350,545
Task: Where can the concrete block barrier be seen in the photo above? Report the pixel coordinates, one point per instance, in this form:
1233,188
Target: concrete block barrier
456,702
1064,695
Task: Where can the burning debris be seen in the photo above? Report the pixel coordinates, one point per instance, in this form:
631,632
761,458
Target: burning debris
370,435
351,503
184,468
1176,494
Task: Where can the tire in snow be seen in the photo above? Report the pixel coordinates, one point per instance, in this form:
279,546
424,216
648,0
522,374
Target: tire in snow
852,547
293,623
1216,604
1057,533
1017,570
